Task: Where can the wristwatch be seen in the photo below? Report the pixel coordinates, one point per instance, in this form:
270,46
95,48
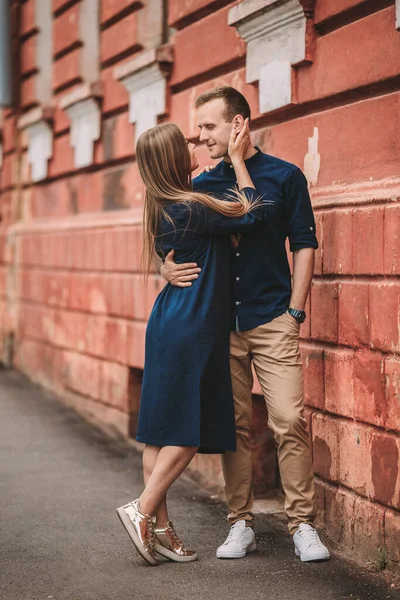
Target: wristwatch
299,315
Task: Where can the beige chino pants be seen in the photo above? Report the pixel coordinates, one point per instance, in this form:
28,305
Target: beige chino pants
274,350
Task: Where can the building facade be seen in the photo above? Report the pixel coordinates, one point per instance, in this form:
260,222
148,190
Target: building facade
323,81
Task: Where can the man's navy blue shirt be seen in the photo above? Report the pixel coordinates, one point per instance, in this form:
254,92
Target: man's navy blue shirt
260,269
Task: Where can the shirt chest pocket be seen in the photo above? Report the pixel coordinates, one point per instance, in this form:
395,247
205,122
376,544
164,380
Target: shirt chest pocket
274,229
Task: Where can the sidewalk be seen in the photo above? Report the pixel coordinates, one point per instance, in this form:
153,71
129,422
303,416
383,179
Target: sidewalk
60,537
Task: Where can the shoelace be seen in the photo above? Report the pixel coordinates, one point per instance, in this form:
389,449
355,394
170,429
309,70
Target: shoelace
235,534
310,536
150,522
175,537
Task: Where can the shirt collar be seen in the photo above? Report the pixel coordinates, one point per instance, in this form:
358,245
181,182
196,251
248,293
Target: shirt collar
250,162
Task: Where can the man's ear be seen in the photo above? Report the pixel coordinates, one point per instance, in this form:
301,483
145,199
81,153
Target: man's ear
237,123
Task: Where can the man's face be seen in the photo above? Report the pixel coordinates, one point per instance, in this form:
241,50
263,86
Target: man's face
214,130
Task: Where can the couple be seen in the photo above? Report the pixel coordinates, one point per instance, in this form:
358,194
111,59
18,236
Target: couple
220,283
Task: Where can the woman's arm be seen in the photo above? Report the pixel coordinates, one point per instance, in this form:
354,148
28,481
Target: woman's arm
209,221
237,147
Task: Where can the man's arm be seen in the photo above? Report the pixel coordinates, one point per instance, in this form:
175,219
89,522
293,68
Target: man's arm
180,275
302,237
303,269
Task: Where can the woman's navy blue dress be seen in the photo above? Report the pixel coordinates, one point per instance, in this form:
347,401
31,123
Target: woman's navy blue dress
186,392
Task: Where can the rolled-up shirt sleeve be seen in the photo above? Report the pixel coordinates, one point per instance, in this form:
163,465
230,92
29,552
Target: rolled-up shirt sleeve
299,213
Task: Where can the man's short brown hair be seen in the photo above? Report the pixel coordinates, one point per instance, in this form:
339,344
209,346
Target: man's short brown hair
235,102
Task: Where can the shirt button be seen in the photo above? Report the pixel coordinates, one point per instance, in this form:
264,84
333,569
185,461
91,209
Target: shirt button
237,253
231,166
311,228
237,303
237,278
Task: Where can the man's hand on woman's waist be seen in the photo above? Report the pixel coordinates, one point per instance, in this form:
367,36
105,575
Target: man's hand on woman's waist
180,275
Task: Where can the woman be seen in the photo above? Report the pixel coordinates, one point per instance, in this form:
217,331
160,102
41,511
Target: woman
186,404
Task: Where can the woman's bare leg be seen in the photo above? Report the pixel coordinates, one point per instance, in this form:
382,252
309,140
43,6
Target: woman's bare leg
150,454
170,463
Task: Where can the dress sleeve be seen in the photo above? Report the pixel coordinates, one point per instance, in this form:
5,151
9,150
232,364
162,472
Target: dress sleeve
209,221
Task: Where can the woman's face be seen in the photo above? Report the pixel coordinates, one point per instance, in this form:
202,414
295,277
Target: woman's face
194,163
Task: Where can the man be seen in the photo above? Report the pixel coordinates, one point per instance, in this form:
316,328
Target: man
267,309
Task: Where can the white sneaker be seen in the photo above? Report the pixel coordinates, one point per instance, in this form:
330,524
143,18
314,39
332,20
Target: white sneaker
307,544
240,541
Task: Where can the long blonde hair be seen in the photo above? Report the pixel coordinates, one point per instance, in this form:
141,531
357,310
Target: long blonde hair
163,159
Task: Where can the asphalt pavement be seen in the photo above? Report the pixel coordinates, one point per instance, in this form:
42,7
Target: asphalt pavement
60,538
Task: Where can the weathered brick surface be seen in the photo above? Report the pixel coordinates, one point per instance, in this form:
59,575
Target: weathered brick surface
82,374
340,515
337,242
369,388
313,370
9,134
63,157
115,94
313,82
27,16
112,8
181,10
119,38
392,388
35,359
368,529
320,503
326,446
384,310
28,92
392,240
118,138
66,70
319,226
66,30
58,5
353,313
392,535
8,171
110,249
339,381
385,456
324,311
28,55
114,385
61,121
223,45
136,339
368,241
355,457
289,140
330,8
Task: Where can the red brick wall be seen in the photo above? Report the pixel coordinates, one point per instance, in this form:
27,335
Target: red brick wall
76,304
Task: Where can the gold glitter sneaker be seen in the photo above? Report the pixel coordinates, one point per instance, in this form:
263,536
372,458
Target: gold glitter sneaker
140,529
168,544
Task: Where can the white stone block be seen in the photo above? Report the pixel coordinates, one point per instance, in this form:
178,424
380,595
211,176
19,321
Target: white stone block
275,86
40,148
84,131
145,77
275,32
147,97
